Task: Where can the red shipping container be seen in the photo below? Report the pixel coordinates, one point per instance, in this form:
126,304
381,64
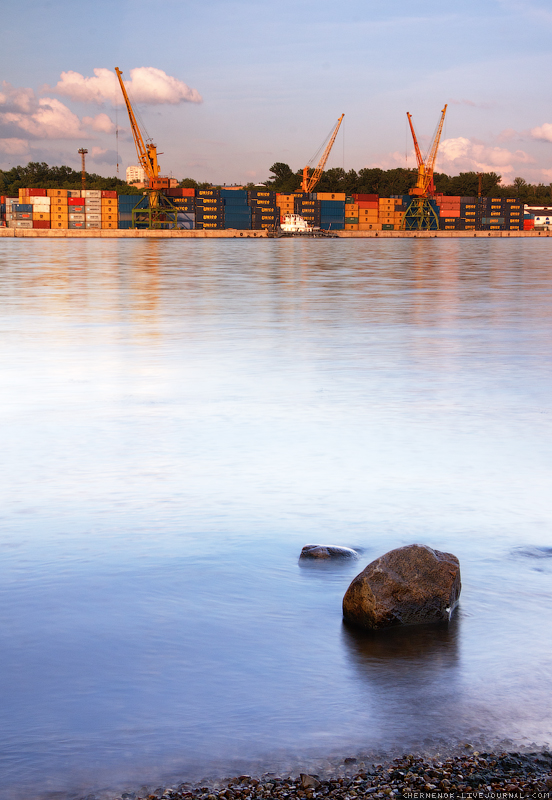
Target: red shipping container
37,193
528,224
108,193
41,223
367,198
367,204
75,201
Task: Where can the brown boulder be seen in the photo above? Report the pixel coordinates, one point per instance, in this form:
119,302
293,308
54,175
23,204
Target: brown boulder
407,586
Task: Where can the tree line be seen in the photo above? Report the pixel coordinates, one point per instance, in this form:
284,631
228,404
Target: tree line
370,180
399,180
39,175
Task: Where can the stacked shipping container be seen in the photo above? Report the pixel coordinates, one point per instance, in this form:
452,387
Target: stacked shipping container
257,209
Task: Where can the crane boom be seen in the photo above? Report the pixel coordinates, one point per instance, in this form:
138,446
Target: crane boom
308,183
419,158
147,152
424,185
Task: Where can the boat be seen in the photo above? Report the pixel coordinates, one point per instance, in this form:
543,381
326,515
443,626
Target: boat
296,225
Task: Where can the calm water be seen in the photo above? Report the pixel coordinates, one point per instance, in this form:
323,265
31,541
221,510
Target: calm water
180,418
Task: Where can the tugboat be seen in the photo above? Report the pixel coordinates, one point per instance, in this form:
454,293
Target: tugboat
296,225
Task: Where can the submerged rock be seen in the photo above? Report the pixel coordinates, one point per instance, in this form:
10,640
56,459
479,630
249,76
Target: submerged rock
411,585
325,551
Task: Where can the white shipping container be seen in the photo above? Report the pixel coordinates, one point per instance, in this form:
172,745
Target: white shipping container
93,217
76,217
20,223
39,201
73,193
93,224
92,193
40,209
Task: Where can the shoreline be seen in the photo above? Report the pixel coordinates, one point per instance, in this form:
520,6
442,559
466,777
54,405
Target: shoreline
229,233
499,773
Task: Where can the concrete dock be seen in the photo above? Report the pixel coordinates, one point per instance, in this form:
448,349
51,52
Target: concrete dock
41,233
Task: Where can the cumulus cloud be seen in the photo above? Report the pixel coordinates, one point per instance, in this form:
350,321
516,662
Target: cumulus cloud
543,132
50,119
16,99
146,85
465,155
100,123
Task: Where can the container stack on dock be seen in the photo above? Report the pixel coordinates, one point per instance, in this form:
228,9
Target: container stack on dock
256,209
265,214
308,207
209,209
237,211
500,214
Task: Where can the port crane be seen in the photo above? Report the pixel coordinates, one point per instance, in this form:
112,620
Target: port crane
309,181
421,214
160,212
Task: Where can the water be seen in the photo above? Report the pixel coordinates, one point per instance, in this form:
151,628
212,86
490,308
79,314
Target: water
180,418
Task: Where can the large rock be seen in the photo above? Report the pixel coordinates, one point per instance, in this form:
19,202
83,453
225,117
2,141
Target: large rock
326,551
407,586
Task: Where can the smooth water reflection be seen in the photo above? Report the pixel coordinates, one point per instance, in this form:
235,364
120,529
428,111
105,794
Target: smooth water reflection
180,418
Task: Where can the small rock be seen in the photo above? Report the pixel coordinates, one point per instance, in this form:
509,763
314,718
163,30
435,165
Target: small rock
327,551
309,781
407,586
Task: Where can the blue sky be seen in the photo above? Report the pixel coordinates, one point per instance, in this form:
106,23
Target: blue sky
226,89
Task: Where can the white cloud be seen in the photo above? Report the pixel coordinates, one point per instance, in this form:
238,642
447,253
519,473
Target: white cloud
51,120
465,155
97,152
544,132
14,147
100,123
147,85
17,99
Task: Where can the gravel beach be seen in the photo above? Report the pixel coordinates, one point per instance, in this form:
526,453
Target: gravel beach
476,774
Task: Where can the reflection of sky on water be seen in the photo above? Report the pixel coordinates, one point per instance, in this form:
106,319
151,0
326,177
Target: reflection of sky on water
179,420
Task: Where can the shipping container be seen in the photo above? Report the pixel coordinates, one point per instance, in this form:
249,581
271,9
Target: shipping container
328,196
73,193
75,224
109,225
40,200
20,223
41,223
56,193
76,217
93,224
91,193
109,193
75,201
93,217
208,193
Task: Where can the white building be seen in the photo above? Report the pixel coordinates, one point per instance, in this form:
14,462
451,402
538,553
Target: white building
542,215
135,175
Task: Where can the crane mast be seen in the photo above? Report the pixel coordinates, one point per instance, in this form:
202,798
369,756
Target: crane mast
421,213
160,212
424,185
147,152
308,183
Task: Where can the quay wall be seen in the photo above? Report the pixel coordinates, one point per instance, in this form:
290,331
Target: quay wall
67,233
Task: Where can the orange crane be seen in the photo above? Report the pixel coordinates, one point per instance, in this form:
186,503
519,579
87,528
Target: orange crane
160,212
421,214
309,182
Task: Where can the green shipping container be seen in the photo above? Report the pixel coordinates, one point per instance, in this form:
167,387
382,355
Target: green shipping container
387,227
351,220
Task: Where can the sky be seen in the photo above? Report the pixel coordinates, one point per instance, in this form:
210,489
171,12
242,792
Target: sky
225,88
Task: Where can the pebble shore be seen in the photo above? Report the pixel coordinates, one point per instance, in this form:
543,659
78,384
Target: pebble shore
474,775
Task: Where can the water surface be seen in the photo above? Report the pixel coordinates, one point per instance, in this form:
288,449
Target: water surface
180,418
